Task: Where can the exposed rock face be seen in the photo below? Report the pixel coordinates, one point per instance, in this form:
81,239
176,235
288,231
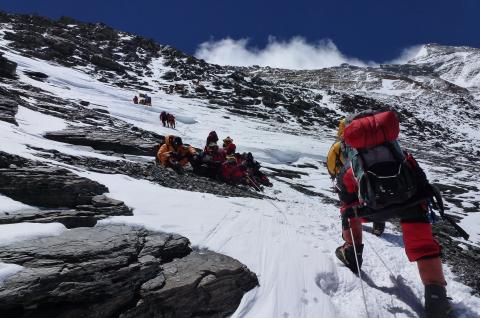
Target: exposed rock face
78,201
8,106
113,140
114,270
100,207
48,186
7,67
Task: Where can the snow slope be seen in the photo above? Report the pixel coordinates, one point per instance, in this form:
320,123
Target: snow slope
289,240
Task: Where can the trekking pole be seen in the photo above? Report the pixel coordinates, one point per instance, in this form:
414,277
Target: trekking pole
253,183
446,217
358,266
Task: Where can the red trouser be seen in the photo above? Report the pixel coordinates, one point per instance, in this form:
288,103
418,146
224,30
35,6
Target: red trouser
417,236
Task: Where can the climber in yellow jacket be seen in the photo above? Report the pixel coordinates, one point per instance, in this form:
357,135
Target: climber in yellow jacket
174,154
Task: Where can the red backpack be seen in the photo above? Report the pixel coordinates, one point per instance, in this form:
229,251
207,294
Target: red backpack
384,175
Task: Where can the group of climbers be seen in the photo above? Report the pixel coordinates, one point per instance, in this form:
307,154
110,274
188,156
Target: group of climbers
142,99
377,180
167,119
214,162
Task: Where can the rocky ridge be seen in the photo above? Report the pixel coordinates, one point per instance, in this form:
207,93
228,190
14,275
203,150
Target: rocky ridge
425,92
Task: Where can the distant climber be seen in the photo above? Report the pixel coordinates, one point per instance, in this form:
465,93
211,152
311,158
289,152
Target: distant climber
208,162
141,99
228,146
254,175
212,137
135,99
163,118
174,154
383,181
170,120
233,171
148,100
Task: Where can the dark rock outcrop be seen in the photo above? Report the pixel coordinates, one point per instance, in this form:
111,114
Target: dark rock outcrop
36,75
7,68
48,186
116,270
62,195
8,107
107,63
123,142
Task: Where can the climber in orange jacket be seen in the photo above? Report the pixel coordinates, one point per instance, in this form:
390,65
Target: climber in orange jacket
174,154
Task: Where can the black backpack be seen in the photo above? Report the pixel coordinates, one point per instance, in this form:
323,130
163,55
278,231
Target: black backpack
385,178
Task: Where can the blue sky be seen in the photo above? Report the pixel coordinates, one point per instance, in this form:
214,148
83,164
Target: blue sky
370,30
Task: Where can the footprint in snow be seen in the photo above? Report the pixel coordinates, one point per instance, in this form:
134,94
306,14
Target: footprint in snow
327,281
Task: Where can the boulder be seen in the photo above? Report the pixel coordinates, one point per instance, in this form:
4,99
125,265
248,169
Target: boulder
202,284
119,270
7,68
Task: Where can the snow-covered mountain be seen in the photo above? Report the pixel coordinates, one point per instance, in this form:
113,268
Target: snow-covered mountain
67,119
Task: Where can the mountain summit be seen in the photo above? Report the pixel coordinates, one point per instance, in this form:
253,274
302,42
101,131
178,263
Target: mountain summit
93,227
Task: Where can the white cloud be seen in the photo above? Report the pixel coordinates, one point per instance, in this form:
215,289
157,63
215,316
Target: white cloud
407,54
295,53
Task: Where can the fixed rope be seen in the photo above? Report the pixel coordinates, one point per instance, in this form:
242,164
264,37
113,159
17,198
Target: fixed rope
269,201
359,271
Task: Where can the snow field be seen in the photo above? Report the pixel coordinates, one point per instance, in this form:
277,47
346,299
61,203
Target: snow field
289,242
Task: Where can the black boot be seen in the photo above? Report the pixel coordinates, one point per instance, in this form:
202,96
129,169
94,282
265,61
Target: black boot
346,254
437,304
378,228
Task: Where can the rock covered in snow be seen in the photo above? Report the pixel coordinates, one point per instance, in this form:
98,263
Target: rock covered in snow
113,270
